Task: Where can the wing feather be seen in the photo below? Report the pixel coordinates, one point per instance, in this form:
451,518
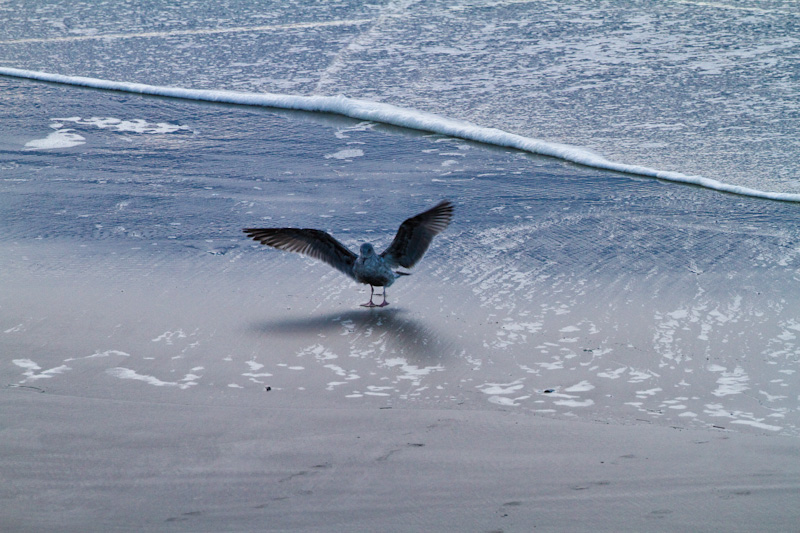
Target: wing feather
416,234
314,243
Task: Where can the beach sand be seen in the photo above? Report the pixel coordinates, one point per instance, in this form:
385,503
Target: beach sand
579,351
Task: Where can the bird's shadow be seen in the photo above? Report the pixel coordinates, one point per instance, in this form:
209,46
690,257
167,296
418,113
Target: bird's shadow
403,334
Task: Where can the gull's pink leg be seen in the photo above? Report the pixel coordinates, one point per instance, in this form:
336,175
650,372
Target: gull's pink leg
371,293
384,303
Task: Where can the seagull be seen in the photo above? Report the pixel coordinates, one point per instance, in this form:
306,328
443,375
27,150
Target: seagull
368,267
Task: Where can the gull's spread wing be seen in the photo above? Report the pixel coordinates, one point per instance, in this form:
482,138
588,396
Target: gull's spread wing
311,242
416,234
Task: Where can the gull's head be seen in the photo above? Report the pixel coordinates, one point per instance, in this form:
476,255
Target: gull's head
367,250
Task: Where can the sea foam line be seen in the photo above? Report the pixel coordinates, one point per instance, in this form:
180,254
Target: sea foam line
404,117
198,31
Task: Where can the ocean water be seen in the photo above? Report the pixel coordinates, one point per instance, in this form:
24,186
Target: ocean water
701,89
562,288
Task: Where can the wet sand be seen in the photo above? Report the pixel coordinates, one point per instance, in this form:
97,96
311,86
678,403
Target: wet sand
127,465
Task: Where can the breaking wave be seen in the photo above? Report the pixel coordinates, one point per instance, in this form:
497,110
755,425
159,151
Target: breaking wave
404,117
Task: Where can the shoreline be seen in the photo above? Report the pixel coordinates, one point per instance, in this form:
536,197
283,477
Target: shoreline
391,115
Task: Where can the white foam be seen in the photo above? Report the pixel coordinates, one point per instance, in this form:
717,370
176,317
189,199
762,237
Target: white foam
127,373
496,389
411,372
125,126
734,382
408,118
255,375
757,424
347,153
56,140
506,402
169,336
107,353
583,386
612,374
575,403
31,367
93,34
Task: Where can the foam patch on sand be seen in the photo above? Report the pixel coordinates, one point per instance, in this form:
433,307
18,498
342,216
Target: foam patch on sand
127,373
61,138
32,370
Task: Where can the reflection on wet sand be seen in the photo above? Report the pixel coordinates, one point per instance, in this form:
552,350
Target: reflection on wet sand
382,331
